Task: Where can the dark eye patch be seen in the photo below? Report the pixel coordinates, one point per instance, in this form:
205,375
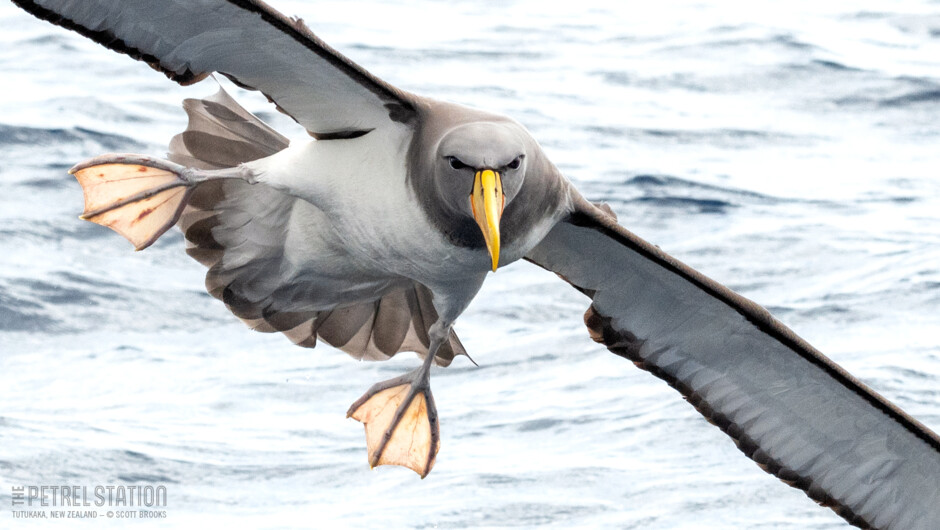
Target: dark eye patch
456,163
515,163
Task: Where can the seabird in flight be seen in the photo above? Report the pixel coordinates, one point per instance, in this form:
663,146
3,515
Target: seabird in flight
375,234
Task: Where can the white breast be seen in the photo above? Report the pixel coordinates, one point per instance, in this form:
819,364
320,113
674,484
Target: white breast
366,217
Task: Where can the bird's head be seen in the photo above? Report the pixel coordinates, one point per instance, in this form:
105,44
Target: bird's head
480,168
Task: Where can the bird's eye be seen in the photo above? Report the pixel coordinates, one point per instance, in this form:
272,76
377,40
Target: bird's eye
515,163
456,163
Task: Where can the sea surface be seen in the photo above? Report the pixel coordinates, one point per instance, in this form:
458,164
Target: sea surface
790,150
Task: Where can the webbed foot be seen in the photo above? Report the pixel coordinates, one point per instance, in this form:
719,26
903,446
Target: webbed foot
137,196
400,422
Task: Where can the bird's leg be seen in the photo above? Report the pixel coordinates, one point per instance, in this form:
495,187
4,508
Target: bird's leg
400,417
138,196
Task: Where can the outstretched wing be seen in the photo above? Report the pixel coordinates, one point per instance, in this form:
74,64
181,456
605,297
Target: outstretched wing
793,411
249,42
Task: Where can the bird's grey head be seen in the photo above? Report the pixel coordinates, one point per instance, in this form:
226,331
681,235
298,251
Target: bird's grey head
480,168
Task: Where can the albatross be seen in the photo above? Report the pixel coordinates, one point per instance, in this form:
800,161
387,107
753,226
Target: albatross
376,233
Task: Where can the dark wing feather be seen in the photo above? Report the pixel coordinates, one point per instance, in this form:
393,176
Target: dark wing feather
249,42
788,407
239,231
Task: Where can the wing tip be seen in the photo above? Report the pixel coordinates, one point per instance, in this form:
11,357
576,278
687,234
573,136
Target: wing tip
110,41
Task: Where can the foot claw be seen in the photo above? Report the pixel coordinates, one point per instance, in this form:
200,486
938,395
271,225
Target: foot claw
401,427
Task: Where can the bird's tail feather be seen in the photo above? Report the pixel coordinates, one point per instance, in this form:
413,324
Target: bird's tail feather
141,197
222,134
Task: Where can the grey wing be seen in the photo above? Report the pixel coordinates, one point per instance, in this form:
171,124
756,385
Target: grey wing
796,413
240,232
249,42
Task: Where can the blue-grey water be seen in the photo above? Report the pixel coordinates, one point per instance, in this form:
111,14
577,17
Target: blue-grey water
790,150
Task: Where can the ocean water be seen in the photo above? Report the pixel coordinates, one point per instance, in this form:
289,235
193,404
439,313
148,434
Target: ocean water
788,150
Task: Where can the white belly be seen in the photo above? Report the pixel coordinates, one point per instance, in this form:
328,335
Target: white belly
365,217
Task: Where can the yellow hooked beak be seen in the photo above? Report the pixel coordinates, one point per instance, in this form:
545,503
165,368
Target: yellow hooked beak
487,202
